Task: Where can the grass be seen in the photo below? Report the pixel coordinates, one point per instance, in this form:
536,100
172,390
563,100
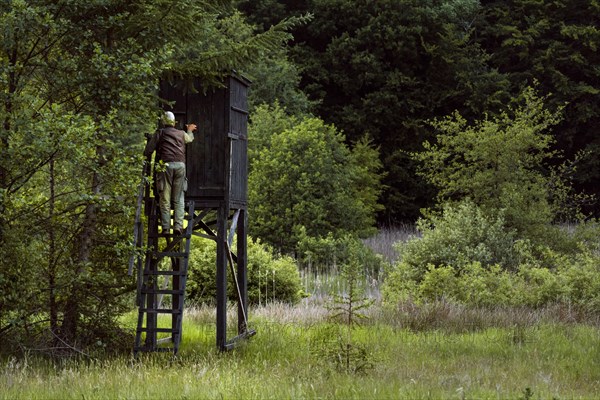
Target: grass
383,242
542,357
428,351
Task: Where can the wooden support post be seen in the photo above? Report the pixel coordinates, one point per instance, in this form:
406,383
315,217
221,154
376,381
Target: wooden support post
222,276
242,275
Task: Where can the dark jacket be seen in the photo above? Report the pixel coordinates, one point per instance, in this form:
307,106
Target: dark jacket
169,144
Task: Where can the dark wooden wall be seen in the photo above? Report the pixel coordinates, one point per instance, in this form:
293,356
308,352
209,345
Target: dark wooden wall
217,159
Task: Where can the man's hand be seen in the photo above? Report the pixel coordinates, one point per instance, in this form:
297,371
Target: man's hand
190,127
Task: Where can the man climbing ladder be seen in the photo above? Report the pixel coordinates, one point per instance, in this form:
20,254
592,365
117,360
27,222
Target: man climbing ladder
169,144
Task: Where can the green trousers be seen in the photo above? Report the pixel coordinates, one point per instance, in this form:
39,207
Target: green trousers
172,185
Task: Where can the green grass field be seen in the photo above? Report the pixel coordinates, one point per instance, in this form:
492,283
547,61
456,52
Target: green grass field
293,355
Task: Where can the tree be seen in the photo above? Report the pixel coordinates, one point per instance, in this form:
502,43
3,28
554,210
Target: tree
305,180
79,83
384,68
276,80
556,44
499,163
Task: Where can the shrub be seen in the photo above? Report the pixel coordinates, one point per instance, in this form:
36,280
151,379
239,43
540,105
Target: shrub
575,282
438,282
540,286
303,175
462,234
270,278
400,283
500,163
580,281
479,286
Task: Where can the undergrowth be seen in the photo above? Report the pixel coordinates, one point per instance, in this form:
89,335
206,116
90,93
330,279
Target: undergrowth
497,353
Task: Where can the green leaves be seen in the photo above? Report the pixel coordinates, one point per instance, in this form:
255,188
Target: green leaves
555,44
302,175
78,83
498,163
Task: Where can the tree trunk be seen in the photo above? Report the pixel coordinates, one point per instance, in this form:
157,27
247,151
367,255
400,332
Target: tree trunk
86,239
52,255
4,143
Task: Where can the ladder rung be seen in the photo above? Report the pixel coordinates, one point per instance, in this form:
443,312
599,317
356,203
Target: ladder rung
156,349
158,330
161,291
175,273
167,235
160,311
169,254
164,340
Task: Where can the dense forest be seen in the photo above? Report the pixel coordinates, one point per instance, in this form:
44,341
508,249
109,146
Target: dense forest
364,114
387,68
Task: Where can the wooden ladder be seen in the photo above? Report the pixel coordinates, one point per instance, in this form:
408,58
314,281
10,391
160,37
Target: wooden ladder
170,263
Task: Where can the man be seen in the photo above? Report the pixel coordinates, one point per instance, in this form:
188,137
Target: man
169,144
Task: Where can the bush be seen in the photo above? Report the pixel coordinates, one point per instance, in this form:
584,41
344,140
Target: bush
474,260
270,278
501,164
304,176
479,286
460,236
580,281
438,282
401,283
576,282
539,286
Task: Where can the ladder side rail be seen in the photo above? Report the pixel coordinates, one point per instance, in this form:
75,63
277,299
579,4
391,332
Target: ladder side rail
138,226
179,281
151,280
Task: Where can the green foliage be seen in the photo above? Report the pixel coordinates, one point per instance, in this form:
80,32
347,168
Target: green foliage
499,164
385,67
78,90
305,180
276,80
488,287
574,282
493,242
466,257
555,44
271,278
438,282
266,121
539,286
462,234
580,281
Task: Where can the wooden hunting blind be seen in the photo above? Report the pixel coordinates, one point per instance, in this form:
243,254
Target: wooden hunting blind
216,204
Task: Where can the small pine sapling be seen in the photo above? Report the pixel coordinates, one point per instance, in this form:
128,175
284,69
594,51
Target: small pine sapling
348,307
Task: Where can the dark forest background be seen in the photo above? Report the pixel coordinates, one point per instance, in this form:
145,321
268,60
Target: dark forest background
386,68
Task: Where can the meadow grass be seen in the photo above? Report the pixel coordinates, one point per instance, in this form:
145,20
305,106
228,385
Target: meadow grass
540,358
417,351
383,242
